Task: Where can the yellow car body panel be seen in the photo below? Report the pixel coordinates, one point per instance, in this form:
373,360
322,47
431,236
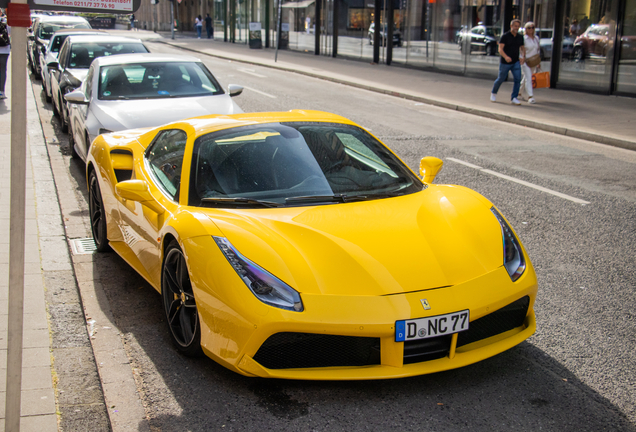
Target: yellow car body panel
356,274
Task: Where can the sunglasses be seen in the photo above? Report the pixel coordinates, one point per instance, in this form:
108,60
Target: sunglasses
530,28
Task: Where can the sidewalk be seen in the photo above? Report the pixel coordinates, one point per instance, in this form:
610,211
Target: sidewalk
601,118
43,228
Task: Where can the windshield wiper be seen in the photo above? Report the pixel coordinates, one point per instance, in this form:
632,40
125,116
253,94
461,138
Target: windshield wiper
337,198
238,201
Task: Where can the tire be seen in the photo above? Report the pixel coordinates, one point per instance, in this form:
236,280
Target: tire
179,304
97,213
46,91
56,113
63,115
71,144
490,50
578,54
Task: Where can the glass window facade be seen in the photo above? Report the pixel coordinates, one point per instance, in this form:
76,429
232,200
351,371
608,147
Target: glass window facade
597,38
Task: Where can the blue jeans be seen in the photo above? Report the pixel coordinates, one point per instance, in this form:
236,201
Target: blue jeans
504,68
199,32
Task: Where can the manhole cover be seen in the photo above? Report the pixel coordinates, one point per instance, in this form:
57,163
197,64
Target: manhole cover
83,246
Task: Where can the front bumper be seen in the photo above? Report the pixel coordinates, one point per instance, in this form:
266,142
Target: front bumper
235,325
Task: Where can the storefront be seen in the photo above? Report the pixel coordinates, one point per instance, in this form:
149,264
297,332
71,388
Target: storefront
587,45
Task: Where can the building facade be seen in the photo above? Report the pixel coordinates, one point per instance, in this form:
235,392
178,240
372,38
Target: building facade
587,45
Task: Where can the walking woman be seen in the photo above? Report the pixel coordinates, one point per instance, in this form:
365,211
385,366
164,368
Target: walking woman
532,63
198,23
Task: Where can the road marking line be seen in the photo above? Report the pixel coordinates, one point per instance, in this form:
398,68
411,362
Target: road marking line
258,91
465,163
251,72
522,182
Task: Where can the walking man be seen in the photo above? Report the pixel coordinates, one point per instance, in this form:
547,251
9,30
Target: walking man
510,44
208,26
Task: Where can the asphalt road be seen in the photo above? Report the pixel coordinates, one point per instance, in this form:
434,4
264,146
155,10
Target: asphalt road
575,374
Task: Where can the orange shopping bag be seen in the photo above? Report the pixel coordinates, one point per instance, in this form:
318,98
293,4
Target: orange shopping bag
541,80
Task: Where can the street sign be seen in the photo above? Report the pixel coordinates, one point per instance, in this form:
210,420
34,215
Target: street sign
96,6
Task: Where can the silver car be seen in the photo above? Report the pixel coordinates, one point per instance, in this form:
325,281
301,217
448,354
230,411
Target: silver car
51,51
142,90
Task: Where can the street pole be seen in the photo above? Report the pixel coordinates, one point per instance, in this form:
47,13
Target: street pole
278,27
16,10
172,18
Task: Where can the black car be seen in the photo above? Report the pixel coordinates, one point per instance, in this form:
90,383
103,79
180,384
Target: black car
481,38
397,36
43,28
76,56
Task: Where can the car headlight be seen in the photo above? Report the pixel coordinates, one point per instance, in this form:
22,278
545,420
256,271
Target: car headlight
264,285
514,261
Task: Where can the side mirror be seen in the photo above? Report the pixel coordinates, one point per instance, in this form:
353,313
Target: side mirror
53,65
234,90
138,191
429,168
76,97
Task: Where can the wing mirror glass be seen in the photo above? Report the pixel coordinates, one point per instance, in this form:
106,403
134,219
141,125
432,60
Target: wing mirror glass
76,97
234,90
53,65
138,191
429,168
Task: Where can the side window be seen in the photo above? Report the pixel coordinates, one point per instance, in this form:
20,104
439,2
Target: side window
88,83
165,158
63,55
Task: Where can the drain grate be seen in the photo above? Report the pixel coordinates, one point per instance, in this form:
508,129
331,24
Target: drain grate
83,246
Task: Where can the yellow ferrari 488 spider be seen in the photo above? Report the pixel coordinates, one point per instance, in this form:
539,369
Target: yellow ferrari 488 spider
297,245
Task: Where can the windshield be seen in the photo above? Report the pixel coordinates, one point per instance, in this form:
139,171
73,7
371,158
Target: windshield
82,54
46,30
156,80
295,164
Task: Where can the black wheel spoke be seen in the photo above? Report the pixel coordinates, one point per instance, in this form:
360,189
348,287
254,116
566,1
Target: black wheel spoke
179,302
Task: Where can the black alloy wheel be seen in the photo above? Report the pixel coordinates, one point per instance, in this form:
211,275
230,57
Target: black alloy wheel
97,213
179,304
579,54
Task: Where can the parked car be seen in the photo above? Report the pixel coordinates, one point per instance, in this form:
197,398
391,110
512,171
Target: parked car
546,40
73,62
596,42
141,90
480,38
42,30
49,54
397,36
296,245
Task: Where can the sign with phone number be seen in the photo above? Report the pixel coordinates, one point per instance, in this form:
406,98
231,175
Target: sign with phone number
113,5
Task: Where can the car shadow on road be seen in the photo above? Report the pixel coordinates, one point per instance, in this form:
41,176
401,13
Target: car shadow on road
521,389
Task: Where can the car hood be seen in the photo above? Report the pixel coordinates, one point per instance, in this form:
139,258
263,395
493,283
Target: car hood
79,74
129,114
439,237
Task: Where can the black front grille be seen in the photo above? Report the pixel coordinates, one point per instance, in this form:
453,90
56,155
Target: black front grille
500,321
426,349
308,350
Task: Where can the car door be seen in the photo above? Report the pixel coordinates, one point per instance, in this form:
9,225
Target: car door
57,72
80,113
160,167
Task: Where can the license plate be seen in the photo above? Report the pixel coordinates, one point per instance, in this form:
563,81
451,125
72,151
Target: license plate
424,328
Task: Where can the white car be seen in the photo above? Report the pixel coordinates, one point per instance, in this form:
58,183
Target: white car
142,90
52,50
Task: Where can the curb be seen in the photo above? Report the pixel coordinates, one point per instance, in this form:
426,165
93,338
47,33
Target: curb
546,127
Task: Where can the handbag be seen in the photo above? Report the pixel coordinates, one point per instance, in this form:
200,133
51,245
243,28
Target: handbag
541,80
533,61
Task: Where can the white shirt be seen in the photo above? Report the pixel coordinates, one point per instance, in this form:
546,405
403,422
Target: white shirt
531,44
